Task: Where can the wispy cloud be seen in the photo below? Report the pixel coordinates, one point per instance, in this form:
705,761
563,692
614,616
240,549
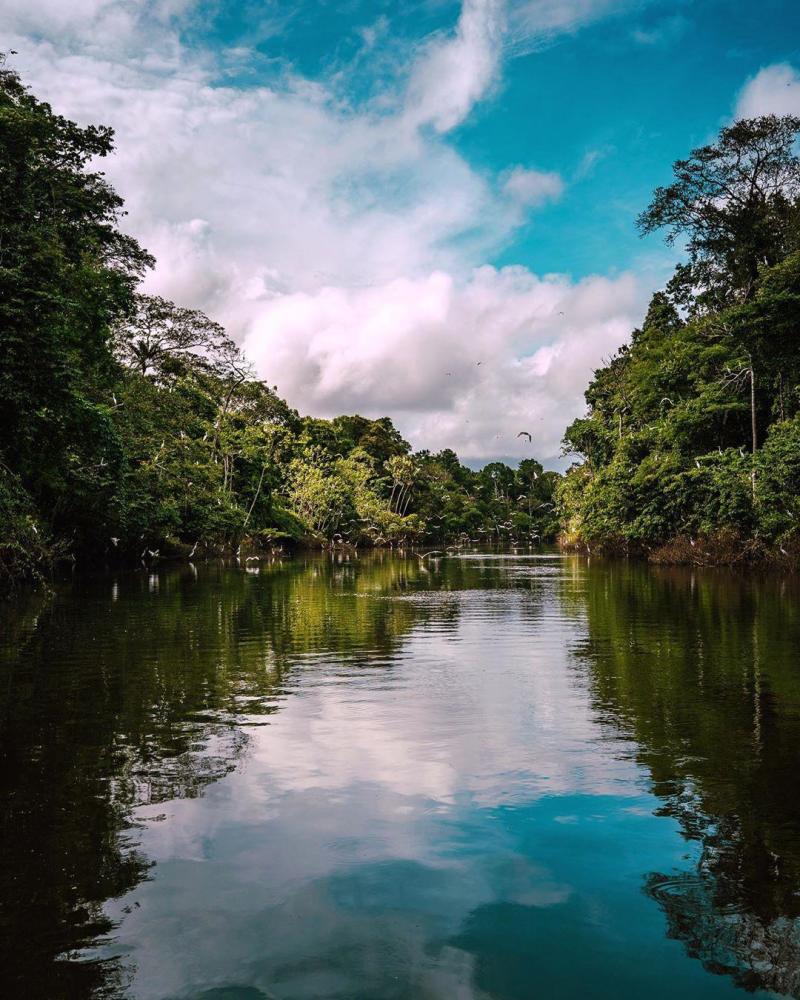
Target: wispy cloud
453,72
534,24
663,32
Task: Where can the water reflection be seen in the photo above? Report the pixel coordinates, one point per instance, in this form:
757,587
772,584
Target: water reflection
369,778
703,674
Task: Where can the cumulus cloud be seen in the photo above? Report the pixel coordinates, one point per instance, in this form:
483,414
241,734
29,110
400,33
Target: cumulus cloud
459,364
341,244
773,90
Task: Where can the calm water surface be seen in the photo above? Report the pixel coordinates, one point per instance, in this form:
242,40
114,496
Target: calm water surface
504,776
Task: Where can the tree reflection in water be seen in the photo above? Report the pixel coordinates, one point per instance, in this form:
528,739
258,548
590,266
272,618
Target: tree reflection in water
118,694
701,671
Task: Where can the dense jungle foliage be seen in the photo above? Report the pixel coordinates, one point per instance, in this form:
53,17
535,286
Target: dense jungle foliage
691,443
132,428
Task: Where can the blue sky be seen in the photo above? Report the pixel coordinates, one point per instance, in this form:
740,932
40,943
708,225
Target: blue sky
374,197
610,105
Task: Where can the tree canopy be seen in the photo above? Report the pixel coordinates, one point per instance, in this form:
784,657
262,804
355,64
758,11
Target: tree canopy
735,204
691,426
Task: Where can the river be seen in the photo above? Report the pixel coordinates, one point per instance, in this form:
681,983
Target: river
493,775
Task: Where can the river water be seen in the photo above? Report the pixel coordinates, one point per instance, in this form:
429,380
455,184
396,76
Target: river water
496,775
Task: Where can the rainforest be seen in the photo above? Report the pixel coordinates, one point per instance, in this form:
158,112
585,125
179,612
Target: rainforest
399,500
134,429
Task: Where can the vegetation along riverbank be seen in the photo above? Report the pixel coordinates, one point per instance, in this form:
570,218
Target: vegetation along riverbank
692,437
133,428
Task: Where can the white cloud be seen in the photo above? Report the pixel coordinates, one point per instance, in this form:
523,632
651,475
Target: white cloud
533,24
102,26
773,90
343,246
533,187
412,348
455,72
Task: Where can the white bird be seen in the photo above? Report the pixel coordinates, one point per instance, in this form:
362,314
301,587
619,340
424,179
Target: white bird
697,463
114,541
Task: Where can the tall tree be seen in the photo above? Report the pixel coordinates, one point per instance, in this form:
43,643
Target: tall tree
736,202
156,333
66,272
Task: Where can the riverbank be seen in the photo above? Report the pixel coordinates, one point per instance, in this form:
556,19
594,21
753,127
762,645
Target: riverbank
722,548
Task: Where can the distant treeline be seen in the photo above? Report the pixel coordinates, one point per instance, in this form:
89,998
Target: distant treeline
691,444
132,428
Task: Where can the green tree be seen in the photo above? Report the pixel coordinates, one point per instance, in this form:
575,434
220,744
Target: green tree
735,202
66,273
677,417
